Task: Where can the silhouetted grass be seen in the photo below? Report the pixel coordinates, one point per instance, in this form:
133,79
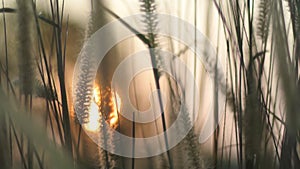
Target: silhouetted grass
261,123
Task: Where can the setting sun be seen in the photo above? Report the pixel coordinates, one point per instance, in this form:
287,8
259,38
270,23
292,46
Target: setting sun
115,104
95,116
94,113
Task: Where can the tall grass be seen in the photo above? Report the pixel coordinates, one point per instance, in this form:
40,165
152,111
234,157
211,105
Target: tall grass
258,41
253,32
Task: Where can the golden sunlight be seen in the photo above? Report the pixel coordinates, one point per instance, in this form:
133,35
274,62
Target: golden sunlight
95,116
115,104
94,113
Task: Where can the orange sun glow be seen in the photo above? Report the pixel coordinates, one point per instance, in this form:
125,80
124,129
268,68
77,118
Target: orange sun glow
94,111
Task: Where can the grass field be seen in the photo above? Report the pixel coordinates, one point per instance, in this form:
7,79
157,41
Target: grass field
256,45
